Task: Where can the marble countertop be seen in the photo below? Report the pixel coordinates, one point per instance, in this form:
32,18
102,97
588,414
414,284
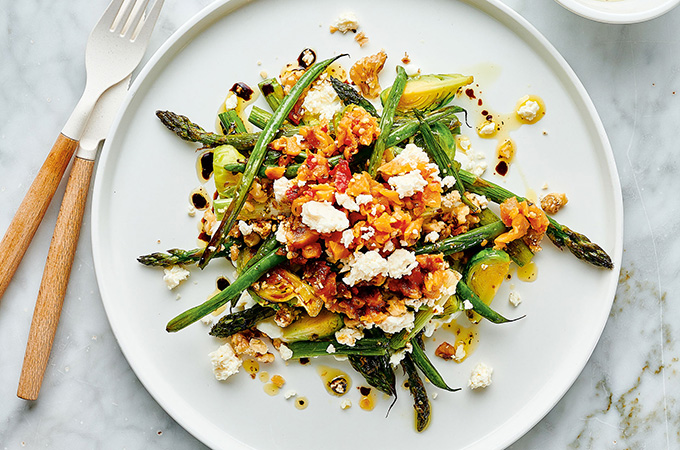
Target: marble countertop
628,395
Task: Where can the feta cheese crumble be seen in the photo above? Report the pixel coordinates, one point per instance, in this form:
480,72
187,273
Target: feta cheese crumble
432,236
174,275
231,102
345,22
323,217
394,324
365,267
280,186
347,237
225,362
467,305
488,129
408,184
411,156
399,355
362,199
515,299
330,348
244,228
346,404
401,262
289,394
348,336
529,110
322,101
285,352
480,376
448,182
346,202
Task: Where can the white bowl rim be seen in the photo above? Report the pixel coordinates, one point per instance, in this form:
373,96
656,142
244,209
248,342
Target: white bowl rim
617,18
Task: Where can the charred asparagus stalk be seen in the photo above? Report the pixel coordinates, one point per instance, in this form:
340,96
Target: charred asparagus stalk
178,256
421,402
240,321
376,370
578,244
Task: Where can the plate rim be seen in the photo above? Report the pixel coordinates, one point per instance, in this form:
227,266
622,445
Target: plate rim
222,8
617,18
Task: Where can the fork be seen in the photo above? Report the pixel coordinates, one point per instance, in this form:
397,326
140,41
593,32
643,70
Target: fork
115,47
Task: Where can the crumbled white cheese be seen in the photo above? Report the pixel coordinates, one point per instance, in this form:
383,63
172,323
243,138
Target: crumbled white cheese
487,129
289,394
394,324
346,202
411,69
281,233
347,237
408,184
285,352
478,200
434,324
366,266
411,156
367,232
434,395
280,186
330,348
225,362
323,217
432,236
362,199
529,110
467,305
244,228
448,182
231,102
514,298
401,262
480,376
545,186
322,101
346,22
245,301
191,211
389,246
473,162
301,183
207,320
270,328
348,336
399,355
174,275
346,404
464,143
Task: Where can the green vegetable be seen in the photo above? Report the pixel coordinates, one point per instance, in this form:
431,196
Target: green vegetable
425,365
178,256
351,96
465,293
231,293
272,91
520,252
578,244
241,321
427,92
485,273
231,122
257,157
309,328
224,179
406,126
376,370
421,402
464,241
422,316
386,121
441,158
367,346
259,117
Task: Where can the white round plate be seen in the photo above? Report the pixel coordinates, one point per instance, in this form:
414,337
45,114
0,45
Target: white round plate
146,173
619,11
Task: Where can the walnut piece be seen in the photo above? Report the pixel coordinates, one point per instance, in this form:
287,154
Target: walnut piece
552,203
364,73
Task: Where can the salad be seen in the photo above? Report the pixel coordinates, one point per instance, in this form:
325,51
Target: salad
353,227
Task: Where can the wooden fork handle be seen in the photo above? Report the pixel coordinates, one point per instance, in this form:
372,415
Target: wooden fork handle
32,209
55,279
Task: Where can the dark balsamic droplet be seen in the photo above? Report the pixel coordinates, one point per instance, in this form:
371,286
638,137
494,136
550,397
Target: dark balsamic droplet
502,168
222,283
242,90
206,165
364,390
307,58
199,201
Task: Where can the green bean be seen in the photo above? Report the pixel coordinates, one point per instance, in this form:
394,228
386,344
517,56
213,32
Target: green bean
386,121
472,238
230,294
366,346
426,366
465,293
257,157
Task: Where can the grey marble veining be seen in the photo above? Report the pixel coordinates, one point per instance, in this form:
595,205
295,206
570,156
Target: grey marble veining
627,397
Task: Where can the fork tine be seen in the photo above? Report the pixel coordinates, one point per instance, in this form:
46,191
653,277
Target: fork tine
144,33
123,17
110,14
137,15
